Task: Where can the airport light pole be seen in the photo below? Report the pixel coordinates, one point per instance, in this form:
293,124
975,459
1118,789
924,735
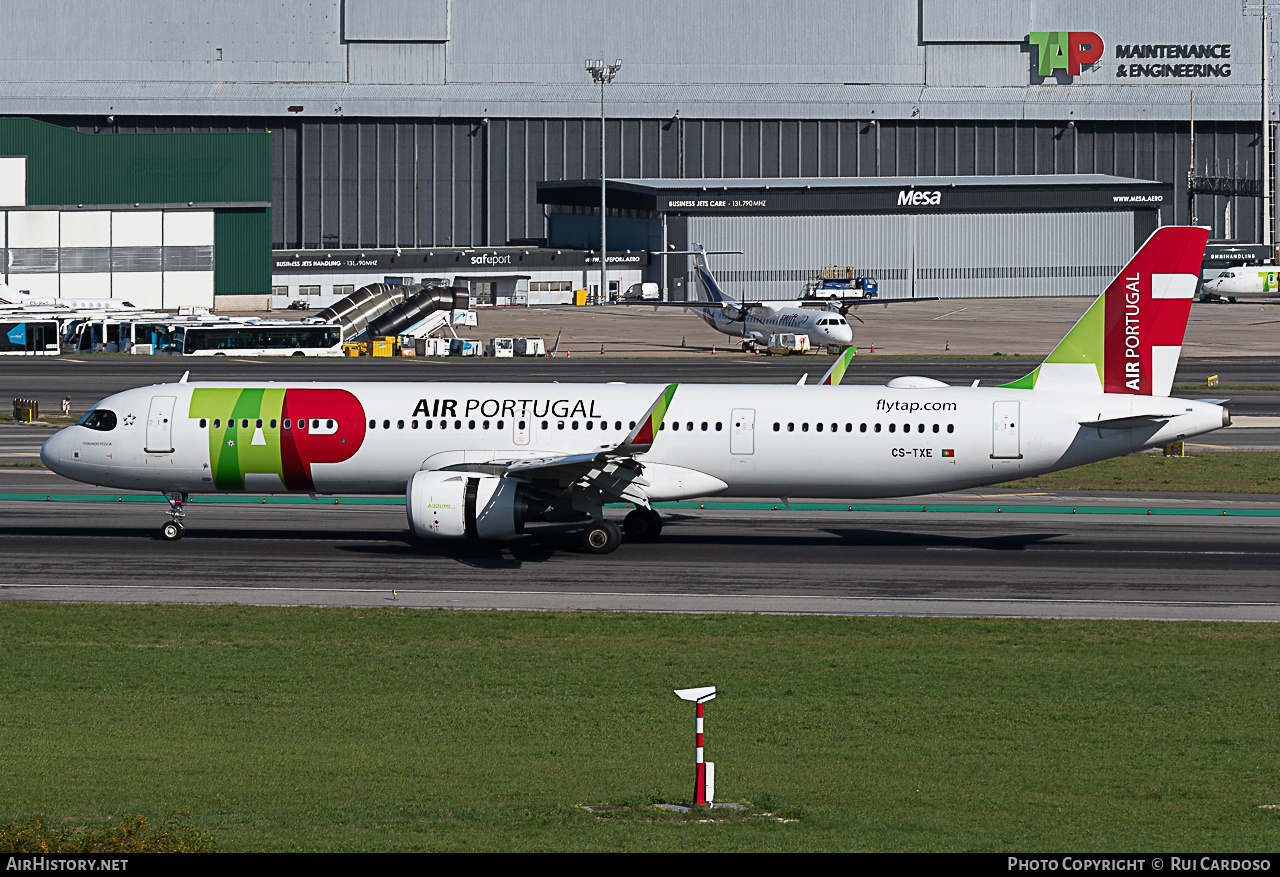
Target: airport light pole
1263,12
603,73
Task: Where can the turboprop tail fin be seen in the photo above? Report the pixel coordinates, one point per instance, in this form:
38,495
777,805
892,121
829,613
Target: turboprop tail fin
707,284
1130,338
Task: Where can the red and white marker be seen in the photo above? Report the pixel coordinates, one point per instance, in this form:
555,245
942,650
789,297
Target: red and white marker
704,788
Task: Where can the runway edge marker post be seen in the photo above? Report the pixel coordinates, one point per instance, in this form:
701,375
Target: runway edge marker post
704,785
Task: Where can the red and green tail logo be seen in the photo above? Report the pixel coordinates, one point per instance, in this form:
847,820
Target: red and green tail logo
1130,339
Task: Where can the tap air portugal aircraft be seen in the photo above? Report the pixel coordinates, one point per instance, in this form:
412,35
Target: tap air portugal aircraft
481,460
1253,281
822,319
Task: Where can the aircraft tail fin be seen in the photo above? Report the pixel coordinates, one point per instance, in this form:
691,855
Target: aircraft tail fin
708,288
1130,338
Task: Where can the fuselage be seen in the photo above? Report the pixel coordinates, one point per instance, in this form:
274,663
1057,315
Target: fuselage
1254,281
771,440
822,326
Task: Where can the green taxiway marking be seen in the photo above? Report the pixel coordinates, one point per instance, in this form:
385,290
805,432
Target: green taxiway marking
999,508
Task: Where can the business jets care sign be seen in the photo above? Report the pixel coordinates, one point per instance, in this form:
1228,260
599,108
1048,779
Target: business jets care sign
1077,52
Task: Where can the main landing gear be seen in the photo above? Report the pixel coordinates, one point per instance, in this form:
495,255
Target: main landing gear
172,530
640,525
601,537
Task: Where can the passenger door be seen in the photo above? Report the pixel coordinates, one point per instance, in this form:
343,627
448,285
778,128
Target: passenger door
160,425
742,439
1004,431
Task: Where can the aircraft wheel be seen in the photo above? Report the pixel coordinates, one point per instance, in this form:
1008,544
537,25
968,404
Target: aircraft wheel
601,537
171,532
1231,298
642,525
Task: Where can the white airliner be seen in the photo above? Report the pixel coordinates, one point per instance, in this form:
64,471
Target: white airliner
1243,281
480,460
752,323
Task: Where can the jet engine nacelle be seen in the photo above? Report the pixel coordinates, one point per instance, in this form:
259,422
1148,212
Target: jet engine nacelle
455,505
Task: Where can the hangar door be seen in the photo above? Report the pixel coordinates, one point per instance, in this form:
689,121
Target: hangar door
986,255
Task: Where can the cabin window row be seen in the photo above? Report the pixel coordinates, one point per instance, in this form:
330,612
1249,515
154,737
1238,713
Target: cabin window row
862,427
271,424
689,425
500,424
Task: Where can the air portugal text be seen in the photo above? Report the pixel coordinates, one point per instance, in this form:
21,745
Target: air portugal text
1132,334
585,408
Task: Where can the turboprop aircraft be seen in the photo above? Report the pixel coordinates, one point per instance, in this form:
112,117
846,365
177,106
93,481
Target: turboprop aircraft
752,323
1242,281
482,460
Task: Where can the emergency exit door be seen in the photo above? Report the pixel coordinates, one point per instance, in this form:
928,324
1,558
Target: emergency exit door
160,425
742,438
1005,444
521,427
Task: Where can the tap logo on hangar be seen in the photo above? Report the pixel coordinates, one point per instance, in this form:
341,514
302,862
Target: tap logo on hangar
1065,50
281,432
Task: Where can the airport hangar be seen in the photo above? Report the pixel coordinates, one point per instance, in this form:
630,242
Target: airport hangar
410,139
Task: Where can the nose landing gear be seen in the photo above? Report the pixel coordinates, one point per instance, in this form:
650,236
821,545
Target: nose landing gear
172,530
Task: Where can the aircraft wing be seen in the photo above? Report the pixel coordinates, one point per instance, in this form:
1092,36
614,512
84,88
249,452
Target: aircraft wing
844,304
613,471
698,304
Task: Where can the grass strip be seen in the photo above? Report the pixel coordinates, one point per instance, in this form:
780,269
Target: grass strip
1213,472
392,729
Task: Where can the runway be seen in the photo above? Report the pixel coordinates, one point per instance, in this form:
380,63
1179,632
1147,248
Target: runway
1197,564
1100,563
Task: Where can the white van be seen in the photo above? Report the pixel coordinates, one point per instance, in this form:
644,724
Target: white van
642,292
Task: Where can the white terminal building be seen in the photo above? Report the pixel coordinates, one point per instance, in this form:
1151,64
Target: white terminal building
1011,147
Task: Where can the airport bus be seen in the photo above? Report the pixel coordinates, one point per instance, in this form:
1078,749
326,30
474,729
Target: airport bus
259,339
143,333
35,336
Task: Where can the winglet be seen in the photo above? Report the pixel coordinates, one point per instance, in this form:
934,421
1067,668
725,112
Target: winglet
186,374
835,374
641,438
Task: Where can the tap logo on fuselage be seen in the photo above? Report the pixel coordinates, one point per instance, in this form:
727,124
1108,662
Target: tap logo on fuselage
311,426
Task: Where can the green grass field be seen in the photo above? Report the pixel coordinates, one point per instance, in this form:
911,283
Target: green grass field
1216,472
309,729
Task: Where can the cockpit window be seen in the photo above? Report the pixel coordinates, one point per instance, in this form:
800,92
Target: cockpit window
100,419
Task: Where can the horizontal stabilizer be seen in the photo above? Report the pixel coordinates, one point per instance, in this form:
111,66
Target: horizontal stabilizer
1137,421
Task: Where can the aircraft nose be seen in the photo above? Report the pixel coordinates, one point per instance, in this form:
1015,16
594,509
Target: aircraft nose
51,451
844,334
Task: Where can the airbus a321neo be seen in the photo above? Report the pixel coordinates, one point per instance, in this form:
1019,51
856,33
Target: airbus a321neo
483,460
